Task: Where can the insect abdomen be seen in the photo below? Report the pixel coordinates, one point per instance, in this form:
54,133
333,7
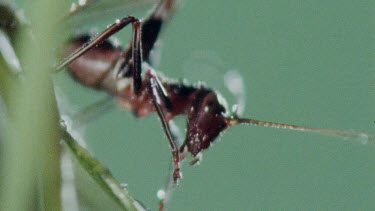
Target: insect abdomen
94,67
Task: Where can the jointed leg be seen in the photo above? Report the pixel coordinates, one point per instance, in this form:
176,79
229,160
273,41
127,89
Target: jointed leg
153,24
105,35
92,111
165,194
158,95
158,88
137,57
151,27
132,55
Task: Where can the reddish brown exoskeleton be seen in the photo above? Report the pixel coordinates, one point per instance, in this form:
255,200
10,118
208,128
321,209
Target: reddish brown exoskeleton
96,63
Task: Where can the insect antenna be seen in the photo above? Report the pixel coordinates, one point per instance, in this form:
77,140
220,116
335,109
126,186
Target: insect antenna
345,134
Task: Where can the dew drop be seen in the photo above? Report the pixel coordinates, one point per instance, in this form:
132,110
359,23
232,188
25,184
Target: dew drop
161,194
363,138
123,185
64,122
73,7
206,109
81,2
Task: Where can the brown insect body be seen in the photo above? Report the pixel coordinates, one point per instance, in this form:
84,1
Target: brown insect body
92,69
206,115
97,69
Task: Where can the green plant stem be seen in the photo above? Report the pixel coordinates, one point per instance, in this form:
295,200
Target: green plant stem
32,157
100,174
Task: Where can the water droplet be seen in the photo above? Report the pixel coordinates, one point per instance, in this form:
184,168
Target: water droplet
63,123
123,185
363,138
73,7
81,2
206,109
161,194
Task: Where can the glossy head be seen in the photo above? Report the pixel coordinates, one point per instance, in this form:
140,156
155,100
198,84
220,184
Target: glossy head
206,120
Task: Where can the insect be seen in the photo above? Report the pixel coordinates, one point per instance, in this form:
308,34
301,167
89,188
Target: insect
119,74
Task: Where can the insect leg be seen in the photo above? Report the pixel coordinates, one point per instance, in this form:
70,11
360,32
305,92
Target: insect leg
150,29
157,92
165,193
153,24
137,57
105,35
92,111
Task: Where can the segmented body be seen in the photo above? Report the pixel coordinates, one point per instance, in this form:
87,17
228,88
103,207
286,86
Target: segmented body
97,69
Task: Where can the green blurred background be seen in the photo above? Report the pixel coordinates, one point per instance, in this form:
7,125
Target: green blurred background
307,63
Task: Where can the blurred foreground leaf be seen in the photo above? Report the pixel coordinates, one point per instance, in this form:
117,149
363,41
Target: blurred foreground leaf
96,188
30,132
